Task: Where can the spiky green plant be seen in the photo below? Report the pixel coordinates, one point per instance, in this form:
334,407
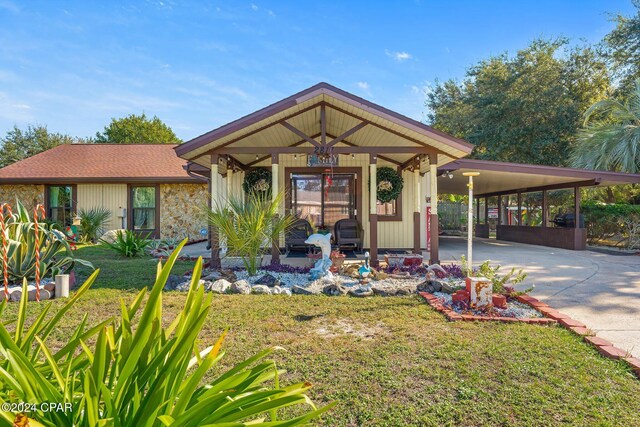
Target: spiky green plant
610,139
92,222
55,252
128,243
249,225
144,376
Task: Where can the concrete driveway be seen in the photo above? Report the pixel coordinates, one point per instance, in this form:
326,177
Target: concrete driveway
600,290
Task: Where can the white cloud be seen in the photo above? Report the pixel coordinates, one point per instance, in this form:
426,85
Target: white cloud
365,88
271,13
399,56
254,7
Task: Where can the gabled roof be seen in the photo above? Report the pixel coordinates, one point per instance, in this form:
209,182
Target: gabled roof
344,111
71,163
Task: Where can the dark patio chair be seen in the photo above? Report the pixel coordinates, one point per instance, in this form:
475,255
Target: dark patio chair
299,232
348,232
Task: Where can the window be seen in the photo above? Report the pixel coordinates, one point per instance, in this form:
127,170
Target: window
60,204
143,208
387,209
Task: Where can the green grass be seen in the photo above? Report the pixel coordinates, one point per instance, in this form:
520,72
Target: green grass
119,272
396,362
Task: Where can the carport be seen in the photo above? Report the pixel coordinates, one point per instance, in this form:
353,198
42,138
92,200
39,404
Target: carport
501,188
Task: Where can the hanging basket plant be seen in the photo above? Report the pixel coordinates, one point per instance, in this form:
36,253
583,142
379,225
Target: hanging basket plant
257,181
390,184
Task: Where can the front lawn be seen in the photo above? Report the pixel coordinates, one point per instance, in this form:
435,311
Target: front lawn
396,362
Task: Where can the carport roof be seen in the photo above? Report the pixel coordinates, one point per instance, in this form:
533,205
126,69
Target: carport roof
503,178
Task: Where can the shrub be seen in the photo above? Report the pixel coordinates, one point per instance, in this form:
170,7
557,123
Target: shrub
249,225
56,255
605,221
147,376
128,243
92,223
502,283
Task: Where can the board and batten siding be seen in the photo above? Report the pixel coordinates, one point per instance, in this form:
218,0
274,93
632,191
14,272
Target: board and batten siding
110,196
391,234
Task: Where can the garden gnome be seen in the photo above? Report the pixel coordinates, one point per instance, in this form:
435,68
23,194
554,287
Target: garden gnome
321,269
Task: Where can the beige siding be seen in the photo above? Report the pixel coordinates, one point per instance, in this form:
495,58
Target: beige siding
110,196
391,234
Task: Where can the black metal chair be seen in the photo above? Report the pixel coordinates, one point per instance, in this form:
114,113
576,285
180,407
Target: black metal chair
299,232
349,232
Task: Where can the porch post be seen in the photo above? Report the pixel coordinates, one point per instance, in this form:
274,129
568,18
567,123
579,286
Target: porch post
373,209
215,242
275,245
433,171
545,214
499,222
228,181
416,211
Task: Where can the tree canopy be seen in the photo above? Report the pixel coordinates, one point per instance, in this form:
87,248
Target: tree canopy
19,144
137,129
525,108
621,48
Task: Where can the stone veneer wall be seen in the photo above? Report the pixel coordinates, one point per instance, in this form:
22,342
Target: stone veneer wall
183,210
29,195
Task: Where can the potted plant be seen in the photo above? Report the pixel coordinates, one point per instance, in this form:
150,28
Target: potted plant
249,226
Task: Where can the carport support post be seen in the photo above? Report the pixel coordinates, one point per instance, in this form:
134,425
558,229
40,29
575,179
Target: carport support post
373,209
275,251
576,206
433,232
416,210
215,242
545,213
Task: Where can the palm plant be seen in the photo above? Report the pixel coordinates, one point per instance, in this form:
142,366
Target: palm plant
249,225
92,222
128,243
113,374
610,139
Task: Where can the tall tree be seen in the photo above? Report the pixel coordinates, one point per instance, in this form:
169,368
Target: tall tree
137,129
610,139
622,49
526,108
19,144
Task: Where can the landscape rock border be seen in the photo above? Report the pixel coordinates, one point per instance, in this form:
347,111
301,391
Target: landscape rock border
553,317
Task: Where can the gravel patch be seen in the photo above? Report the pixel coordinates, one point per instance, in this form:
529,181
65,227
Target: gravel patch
514,309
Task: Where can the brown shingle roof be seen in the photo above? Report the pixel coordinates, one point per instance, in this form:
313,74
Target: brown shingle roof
71,163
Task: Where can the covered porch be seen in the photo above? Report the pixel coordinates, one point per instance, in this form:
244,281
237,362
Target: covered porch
326,132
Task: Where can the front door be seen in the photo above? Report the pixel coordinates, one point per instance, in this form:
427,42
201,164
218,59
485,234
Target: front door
323,198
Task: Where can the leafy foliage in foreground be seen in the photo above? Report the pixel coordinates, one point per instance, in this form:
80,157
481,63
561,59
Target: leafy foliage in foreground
128,244
150,376
55,253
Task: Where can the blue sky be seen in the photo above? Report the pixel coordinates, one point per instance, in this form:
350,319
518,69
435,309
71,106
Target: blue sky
197,65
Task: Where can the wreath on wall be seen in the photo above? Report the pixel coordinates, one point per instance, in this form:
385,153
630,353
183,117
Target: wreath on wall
257,181
390,184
